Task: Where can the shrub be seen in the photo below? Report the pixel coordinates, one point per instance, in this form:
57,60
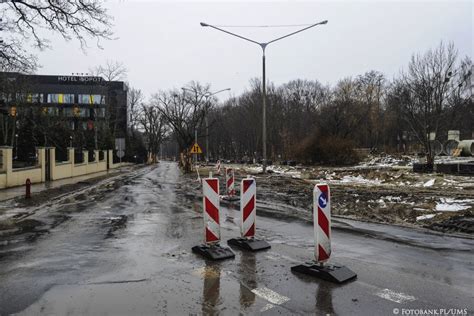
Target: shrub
329,150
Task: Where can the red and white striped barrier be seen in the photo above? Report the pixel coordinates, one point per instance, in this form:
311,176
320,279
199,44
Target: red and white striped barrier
211,249
322,222
229,182
320,268
248,209
210,187
218,167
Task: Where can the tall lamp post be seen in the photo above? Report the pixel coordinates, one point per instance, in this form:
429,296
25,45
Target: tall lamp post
207,120
264,92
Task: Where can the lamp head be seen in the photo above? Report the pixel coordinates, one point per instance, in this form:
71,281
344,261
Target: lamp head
204,24
324,22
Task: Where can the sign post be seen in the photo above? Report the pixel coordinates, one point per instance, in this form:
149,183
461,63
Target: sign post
322,235
196,150
120,147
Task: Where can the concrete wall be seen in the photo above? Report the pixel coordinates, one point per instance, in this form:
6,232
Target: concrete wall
69,168
10,177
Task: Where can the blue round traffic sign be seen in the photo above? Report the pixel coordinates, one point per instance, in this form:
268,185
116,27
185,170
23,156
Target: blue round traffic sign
323,200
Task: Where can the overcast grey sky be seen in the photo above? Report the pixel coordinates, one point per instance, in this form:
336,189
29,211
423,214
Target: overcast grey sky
163,45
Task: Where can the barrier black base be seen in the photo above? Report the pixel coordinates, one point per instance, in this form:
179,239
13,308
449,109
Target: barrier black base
252,244
213,252
332,273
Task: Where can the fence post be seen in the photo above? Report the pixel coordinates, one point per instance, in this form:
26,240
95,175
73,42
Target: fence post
71,159
85,157
110,157
52,162
41,152
8,164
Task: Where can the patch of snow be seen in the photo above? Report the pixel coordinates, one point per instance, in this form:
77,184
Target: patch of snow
359,179
390,198
452,205
429,183
255,169
423,217
388,161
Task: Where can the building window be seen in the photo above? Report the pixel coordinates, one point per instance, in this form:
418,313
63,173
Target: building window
100,113
68,98
5,97
34,98
83,112
91,99
68,112
84,99
61,98
98,99
50,110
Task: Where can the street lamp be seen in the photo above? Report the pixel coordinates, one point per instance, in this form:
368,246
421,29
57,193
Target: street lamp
264,92
208,95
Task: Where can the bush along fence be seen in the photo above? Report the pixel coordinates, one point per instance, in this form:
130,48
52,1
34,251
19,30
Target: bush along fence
48,169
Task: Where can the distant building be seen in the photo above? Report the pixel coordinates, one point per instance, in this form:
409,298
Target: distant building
80,100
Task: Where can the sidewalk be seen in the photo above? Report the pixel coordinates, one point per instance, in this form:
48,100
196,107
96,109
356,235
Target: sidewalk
11,193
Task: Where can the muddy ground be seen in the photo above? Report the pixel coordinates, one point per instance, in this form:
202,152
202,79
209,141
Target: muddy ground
382,190
373,193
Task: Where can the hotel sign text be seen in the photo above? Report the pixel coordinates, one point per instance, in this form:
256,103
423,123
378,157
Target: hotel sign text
79,79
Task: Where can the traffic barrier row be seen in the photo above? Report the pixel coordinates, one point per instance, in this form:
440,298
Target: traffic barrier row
211,248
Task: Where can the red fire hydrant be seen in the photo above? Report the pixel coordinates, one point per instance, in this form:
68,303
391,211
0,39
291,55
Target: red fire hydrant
28,189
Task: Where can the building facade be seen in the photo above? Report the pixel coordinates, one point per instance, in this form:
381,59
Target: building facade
82,101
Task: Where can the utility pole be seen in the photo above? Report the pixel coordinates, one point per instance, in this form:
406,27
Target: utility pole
195,142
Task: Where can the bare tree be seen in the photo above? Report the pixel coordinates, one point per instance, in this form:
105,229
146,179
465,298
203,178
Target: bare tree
184,111
135,100
428,85
22,20
343,115
153,124
370,89
111,71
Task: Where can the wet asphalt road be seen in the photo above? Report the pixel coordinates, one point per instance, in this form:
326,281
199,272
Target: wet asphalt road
128,252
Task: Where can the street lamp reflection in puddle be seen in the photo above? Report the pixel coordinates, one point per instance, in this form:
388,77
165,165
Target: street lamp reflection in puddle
324,304
248,280
211,288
